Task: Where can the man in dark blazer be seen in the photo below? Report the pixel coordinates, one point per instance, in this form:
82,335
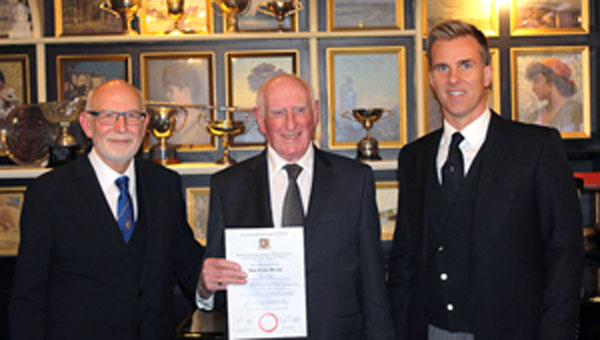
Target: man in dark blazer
77,277
495,252
345,284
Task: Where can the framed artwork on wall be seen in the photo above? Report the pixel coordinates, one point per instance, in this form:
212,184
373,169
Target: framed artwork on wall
365,14
387,197
14,78
11,202
549,17
78,74
186,78
84,17
197,17
366,77
482,14
197,211
433,115
551,87
245,72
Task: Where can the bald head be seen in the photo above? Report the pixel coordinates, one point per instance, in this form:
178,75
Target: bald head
110,88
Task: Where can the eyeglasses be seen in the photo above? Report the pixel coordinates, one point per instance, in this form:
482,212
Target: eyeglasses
109,117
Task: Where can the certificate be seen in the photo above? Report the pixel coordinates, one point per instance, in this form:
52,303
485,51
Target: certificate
272,304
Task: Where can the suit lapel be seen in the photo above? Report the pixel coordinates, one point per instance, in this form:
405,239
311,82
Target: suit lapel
494,158
322,179
424,189
259,184
152,209
101,216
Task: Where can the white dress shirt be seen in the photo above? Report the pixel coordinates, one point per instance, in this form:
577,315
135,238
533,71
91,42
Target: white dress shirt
106,177
278,181
474,133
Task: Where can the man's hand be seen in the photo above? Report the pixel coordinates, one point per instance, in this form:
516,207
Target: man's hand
217,273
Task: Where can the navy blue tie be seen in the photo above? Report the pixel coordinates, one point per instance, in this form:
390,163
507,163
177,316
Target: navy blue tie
453,169
124,208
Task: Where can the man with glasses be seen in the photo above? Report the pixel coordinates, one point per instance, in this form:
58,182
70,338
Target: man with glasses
102,236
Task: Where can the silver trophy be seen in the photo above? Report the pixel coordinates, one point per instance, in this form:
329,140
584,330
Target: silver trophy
175,9
368,147
162,124
231,9
124,9
280,10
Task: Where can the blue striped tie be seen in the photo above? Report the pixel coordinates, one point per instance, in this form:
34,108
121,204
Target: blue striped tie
124,208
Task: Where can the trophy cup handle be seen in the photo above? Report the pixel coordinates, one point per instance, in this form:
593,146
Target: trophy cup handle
105,6
299,6
386,116
346,114
185,118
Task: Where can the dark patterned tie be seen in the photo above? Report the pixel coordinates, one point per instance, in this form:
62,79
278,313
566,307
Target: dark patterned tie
293,213
453,169
124,208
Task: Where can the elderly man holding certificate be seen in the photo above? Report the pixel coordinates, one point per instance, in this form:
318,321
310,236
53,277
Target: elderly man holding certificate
300,233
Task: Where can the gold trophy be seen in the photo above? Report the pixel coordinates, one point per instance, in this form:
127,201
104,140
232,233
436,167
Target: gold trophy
231,9
226,129
63,113
280,10
162,125
368,147
125,9
175,9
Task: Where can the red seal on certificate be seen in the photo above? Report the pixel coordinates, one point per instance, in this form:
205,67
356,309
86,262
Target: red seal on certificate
268,322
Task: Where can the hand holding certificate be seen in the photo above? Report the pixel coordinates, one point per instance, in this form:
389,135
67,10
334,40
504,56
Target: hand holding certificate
273,302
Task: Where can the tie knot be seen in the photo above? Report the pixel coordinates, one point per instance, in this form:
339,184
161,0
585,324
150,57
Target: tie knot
123,183
457,137
293,170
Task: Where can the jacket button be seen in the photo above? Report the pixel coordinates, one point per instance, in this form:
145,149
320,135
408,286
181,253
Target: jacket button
443,276
449,307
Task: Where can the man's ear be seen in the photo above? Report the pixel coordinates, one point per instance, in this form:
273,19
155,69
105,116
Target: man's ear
86,121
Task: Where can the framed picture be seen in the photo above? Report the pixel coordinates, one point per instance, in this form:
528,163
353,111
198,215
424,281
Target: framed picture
78,74
482,14
433,114
197,211
548,17
365,14
551,87
245,72
188,78
84,17
259,21
11,202
197,17
366,77
14,80
387,203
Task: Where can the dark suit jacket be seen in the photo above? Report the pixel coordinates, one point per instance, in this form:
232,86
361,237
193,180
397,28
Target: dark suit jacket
526,254
74,277
346,291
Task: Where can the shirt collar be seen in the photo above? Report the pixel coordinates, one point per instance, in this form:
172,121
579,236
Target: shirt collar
106,175
276,163
474,133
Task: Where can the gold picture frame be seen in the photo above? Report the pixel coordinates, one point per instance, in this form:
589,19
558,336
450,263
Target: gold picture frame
483,14
15,68
386,195
197,204
538,17
245,72
78,74
11,203
188,78
343,15
197,17
350,78
547,76
433,115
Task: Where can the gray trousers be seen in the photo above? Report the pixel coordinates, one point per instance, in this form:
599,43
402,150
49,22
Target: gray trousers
435,333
